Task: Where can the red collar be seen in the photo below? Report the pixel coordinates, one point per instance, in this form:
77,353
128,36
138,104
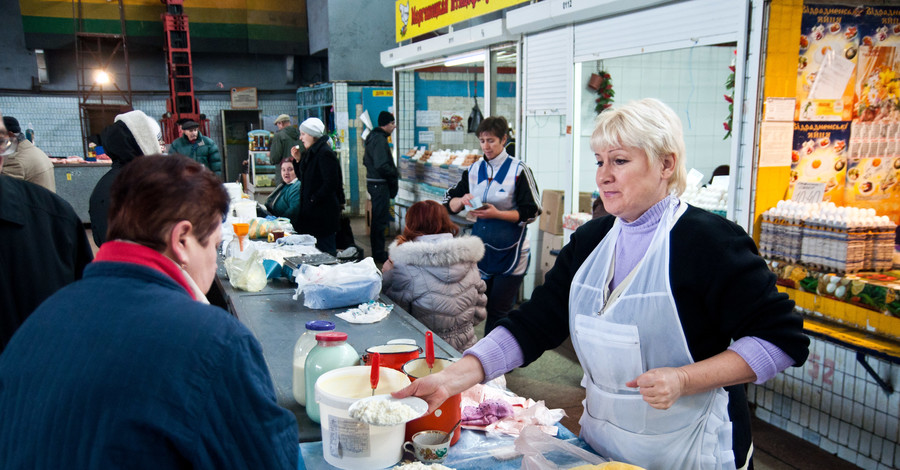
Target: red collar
119,251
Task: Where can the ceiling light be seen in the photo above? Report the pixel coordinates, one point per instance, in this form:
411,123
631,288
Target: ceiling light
464,59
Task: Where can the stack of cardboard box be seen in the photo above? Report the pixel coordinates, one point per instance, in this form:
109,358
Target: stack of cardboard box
551,237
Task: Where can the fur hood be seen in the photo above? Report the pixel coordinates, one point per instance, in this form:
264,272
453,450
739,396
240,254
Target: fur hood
465,249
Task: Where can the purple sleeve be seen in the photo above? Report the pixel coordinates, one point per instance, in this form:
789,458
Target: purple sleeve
763,357
498,352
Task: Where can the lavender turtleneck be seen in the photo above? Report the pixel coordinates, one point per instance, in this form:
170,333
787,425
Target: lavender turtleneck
499,352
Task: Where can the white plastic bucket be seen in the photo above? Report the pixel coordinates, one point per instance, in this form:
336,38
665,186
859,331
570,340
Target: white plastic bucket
245,209
346,442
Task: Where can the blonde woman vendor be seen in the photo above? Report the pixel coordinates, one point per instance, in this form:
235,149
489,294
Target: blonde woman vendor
669,307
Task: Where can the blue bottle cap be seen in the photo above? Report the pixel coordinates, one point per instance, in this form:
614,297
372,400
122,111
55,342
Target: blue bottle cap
320,325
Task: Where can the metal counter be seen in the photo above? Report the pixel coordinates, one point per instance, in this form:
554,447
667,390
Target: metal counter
277,321
75,182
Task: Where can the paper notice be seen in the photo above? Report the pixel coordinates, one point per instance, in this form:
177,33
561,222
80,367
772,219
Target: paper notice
780,109
426,137
425,118
452,137
832,78
776,141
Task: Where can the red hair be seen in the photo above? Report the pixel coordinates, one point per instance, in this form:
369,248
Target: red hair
152,194
426,218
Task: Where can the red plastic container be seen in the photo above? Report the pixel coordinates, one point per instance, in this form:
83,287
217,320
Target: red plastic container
443,418
393,355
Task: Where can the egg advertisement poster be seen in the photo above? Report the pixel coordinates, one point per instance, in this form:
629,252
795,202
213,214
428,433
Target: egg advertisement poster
829,46
819,155
878,68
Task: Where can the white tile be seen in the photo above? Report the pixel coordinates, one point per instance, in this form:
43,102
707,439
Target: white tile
875,447
804,416
866,463
847,454
881,425
843,434
853,437
868,423
888,452
834,428
828,446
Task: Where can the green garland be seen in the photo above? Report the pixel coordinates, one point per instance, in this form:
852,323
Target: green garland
605,92
729,97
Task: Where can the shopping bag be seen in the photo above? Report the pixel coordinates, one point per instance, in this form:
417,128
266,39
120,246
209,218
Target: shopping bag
338,285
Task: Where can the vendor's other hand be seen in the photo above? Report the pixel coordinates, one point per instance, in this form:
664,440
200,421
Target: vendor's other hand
489,212
661,387
430,388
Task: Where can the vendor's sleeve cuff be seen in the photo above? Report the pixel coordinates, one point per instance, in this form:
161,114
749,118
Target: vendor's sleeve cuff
498,352
763,357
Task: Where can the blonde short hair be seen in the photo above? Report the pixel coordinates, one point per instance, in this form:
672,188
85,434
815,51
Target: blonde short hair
649,125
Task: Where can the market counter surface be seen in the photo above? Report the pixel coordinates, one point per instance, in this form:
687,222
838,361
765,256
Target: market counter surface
277,321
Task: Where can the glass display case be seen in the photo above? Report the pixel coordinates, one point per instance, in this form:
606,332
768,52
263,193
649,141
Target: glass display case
262,171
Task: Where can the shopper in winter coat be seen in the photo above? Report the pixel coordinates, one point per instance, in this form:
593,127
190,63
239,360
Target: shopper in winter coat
321,186
286,137
23,160
198,147
130,367
435,277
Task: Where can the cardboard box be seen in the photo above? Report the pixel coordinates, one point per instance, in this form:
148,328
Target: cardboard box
552,207
549,242
584,202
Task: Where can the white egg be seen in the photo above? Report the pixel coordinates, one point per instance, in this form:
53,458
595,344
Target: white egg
840,291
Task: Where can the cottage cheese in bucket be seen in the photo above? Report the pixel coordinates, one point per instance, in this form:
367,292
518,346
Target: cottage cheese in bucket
346,442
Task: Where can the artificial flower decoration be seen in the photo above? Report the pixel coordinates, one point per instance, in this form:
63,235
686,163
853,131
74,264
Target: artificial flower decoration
729,97
601,82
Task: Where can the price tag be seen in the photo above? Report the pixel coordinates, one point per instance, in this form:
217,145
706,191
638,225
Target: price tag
68,176
808,192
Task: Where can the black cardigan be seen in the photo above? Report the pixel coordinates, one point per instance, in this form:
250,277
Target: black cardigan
722,289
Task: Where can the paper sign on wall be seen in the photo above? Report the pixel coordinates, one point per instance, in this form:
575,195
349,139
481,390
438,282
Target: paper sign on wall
425,118
426,137
452,137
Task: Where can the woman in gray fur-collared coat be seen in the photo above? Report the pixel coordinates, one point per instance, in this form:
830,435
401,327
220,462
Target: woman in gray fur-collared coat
435,277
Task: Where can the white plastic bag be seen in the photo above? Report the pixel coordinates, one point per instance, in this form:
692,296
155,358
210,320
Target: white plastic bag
245,270
533,443
339,285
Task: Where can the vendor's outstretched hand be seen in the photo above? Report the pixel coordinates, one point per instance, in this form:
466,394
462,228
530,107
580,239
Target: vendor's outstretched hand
429,388
662,387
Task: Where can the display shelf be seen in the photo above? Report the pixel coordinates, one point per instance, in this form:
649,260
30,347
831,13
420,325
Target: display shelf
262,171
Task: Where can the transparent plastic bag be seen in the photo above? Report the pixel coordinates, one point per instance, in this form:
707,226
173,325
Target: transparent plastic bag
245,270
340,285
533,444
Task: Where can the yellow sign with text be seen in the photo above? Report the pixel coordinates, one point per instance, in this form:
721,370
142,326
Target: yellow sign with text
387,93
416,17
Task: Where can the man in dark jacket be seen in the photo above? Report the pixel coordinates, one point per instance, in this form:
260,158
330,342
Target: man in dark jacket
198,147
381,181
286,137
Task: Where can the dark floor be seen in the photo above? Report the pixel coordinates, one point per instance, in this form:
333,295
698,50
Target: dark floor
556,376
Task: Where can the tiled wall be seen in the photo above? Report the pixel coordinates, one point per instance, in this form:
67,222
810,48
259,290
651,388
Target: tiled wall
58,131
835,404
691,81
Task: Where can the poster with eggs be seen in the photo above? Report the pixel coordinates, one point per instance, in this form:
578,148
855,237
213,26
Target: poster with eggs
829,45
878,68
819,155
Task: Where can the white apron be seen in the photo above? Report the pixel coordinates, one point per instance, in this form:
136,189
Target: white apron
640,330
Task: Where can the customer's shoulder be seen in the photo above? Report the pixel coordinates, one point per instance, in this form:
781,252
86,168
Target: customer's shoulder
33,199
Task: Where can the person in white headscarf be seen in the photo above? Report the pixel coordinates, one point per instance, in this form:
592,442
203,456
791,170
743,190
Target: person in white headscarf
132,135
321,186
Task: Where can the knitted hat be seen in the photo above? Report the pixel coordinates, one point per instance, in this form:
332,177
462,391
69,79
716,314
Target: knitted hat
313,126
385,118
283,118
12,124
188,125
145,130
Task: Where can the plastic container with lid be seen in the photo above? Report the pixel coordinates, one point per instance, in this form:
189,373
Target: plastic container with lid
330,352
304,344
